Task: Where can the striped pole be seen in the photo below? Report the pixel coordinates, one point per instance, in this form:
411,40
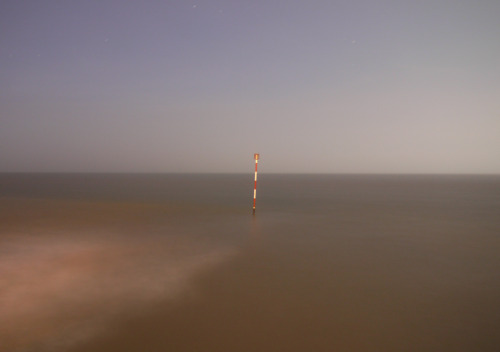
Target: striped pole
256,157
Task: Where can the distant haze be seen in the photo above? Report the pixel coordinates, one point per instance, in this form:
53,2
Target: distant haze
355,86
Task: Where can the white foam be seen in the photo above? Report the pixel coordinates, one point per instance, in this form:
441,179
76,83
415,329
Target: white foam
55,291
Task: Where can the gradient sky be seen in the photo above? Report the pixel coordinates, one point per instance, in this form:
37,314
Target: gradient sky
199,86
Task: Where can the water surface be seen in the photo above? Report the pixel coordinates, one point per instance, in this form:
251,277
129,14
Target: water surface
178,263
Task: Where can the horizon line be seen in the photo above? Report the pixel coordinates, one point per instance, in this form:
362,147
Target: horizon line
244,173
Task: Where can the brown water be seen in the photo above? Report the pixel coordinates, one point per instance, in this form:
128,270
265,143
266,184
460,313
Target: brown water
178,263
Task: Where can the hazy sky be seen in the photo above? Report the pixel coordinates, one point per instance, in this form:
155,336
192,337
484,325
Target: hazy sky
199,86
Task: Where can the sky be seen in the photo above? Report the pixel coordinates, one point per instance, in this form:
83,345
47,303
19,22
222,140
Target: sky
358,86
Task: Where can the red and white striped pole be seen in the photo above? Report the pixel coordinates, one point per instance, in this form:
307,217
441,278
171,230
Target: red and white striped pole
256,157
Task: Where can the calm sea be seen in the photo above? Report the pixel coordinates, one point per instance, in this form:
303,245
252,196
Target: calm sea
138,262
